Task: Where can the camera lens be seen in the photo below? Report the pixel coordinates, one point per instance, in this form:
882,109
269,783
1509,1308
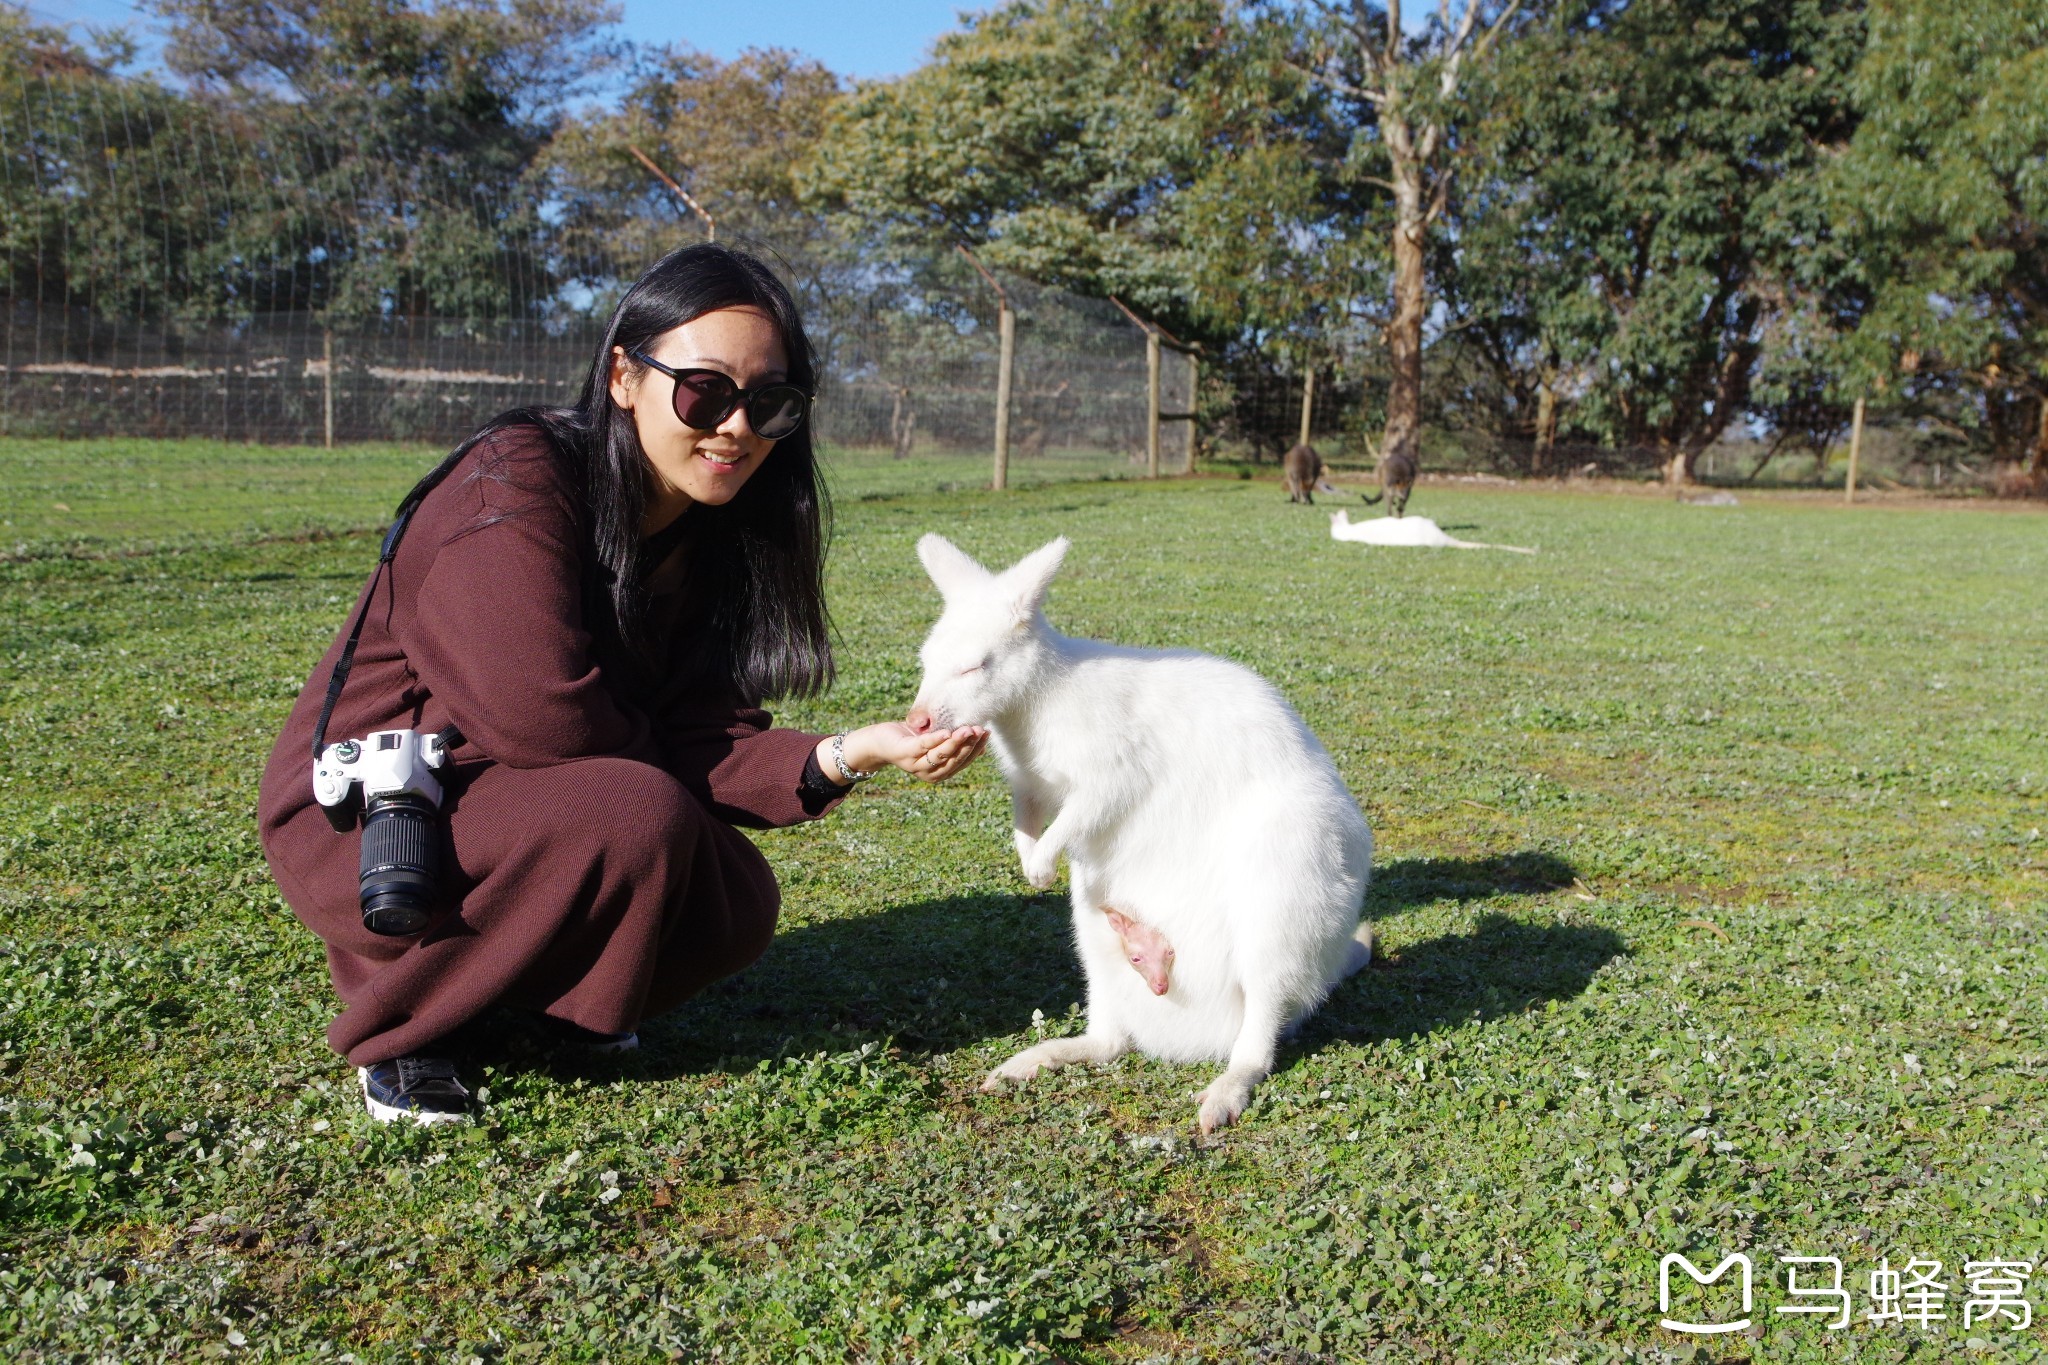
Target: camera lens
401,865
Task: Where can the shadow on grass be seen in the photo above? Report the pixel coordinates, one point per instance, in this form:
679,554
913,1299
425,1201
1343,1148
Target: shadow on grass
1504,966
940,975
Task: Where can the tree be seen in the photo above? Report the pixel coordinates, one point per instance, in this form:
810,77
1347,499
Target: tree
392,142
1404,95
1166,154
737,135
116,206
1942,192
1662,162
1153,151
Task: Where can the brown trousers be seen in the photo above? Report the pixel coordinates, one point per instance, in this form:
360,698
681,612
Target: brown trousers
597,891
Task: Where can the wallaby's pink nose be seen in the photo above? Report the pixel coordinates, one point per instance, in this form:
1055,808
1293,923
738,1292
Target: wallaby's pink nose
919,719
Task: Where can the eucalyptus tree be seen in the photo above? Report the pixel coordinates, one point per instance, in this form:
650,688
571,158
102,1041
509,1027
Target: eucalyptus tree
394,142
1943,193
1404,91
733,135
1161,151
101,212
1660,164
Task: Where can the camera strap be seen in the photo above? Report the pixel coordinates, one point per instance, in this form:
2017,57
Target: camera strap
384,556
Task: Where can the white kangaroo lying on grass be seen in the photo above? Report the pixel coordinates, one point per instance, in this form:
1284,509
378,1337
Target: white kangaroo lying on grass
1187,795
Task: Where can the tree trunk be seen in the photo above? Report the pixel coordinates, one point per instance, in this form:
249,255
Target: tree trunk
1546,425
902,422
1404,334
2037,464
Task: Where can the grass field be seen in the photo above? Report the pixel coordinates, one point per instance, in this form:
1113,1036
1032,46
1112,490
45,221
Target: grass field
1711,867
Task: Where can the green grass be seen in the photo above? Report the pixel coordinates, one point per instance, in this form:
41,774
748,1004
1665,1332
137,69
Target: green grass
1710,877
97,497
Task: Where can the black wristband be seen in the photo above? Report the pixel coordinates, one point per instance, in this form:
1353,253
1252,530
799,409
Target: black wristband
815,790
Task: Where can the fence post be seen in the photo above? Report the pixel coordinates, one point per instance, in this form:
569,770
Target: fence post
1308,403
1006,333
1151,403
1194,390
327,384
1006,352
1855,451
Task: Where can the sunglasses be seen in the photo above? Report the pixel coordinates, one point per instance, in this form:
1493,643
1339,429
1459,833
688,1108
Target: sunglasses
705,398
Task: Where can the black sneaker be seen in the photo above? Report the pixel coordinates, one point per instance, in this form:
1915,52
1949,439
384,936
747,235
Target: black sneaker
423,1089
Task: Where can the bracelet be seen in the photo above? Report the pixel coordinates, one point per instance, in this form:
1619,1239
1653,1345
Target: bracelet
839,758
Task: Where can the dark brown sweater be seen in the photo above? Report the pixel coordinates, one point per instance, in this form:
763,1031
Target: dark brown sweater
595,872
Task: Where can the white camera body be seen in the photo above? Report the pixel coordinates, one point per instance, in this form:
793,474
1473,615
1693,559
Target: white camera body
388,763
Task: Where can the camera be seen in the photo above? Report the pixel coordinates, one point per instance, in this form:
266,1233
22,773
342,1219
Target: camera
400,801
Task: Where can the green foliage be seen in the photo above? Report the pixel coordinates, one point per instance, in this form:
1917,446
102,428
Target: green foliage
736,135
1708,894
1162,153
1943,191
360,160
1642,221
99,208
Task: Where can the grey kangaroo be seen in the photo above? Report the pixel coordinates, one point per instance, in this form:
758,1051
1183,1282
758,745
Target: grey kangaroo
1397,480
1301,469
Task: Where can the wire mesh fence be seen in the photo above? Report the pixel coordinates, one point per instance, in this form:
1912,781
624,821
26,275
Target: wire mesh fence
903,373
171,266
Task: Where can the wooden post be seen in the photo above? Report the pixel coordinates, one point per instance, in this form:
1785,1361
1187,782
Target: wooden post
1308,403
1006,332
327,384
1194,392
1151,403
1855,451
1006,351
1153,333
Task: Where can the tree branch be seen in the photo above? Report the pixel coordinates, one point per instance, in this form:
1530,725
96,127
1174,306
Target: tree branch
1361,29
1337,84
1486,40
1455,54
1439,196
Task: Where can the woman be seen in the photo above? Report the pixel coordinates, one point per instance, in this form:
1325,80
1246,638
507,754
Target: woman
598,598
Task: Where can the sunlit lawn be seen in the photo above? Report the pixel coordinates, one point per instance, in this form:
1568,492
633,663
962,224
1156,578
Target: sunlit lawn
1710,883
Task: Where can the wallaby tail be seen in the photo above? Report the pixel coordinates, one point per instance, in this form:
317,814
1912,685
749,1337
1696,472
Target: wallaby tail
1368,501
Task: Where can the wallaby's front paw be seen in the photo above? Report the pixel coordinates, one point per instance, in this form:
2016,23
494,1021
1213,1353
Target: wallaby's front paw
1223,1103
1026,843
1040,870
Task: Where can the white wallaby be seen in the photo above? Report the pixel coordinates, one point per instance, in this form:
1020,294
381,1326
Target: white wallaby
1186,794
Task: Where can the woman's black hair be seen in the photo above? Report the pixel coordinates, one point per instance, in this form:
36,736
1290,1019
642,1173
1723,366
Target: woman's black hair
754,567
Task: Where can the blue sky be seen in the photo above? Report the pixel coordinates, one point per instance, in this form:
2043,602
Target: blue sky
875,39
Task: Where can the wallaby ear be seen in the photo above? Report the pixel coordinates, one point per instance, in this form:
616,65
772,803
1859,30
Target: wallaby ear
949,566
1118,921
1024,583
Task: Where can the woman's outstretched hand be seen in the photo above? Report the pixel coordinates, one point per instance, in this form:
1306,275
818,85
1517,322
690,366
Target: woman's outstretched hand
932,756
